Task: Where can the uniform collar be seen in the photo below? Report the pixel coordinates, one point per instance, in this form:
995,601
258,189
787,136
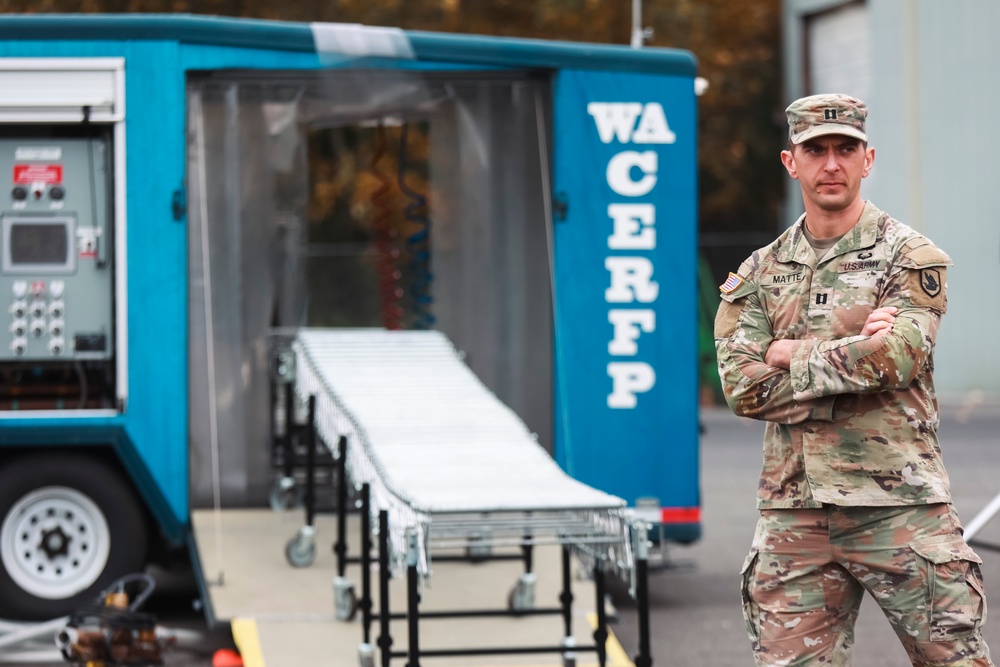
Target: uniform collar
795,247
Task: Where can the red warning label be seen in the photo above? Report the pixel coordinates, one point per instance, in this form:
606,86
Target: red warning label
37,173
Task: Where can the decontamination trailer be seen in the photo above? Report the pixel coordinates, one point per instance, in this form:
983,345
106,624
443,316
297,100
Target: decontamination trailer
182,191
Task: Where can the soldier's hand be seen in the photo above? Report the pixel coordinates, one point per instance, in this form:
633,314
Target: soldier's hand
779,353
880,321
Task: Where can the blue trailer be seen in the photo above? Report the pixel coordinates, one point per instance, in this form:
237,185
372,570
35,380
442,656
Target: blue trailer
181,187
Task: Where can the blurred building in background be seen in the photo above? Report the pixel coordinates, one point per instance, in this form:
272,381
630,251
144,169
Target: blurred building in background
927,71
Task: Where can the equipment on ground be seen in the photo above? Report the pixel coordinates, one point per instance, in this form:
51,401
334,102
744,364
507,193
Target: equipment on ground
112,631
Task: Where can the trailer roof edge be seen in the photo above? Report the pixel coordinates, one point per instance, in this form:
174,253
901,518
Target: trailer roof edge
297,36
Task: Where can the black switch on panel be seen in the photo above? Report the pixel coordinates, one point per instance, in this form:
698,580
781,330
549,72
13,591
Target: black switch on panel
90,342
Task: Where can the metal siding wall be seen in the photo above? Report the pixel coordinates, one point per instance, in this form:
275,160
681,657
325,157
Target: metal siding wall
929,63
840,43
959,59
795,15
839,60
890,128
933,171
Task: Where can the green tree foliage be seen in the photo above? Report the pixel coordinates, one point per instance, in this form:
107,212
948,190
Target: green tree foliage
741,124
737,45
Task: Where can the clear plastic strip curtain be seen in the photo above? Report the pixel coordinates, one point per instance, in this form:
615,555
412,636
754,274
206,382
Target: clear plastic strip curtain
249,191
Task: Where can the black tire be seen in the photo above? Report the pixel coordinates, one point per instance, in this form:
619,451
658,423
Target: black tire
55,552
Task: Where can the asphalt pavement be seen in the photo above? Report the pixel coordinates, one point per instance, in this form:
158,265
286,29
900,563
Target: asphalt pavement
696,617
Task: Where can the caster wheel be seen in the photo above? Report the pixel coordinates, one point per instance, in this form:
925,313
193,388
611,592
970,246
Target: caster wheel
480,547
522,596
569,657
301,549
286,494
366,655
345,600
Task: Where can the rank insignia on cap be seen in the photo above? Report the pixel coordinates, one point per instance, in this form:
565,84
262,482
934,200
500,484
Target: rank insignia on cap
732,283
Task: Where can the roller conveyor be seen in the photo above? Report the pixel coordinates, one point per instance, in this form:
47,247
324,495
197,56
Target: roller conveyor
430,430
431,439
445,464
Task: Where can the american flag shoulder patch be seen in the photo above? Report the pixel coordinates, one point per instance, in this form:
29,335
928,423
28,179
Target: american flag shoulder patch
732,283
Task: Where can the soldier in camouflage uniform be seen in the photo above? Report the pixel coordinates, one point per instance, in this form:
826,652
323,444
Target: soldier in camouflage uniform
827,334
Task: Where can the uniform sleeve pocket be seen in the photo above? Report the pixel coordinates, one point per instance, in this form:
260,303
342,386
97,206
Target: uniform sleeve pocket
728,318
954,586
731,307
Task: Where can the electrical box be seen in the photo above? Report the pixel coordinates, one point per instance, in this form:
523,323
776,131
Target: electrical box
55,264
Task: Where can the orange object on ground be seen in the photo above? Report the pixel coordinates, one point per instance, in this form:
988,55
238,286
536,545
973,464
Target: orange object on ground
226,657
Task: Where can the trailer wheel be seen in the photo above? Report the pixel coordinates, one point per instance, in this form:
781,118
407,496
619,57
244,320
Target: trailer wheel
70,526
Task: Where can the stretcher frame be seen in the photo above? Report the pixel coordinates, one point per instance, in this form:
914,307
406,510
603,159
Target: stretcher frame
605,539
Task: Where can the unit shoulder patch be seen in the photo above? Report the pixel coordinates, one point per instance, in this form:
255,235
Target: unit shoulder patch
927,287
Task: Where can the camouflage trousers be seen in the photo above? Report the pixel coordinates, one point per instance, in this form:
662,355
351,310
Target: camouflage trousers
809,568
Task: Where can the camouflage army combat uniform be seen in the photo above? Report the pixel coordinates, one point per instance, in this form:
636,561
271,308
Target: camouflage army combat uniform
850,445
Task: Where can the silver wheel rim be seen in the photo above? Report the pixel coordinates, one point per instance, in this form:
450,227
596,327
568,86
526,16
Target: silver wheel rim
54,542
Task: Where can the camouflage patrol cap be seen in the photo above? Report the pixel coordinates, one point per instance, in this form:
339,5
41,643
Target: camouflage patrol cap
830,113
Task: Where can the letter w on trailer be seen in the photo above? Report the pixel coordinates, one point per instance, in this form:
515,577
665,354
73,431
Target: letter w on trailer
158,231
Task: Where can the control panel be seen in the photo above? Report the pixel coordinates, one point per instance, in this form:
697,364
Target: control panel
55,268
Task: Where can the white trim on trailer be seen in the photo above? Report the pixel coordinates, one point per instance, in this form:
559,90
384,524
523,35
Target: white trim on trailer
121,256
55,414
360,41
58,89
